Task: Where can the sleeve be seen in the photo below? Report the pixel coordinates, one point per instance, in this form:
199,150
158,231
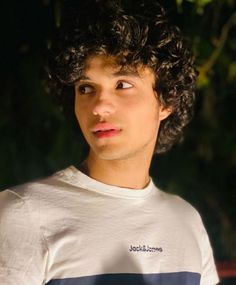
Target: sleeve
209,274
23,252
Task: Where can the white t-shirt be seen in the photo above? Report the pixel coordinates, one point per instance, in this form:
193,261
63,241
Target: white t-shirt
69,229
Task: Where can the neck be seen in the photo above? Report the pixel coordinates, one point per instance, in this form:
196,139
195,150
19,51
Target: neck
128,173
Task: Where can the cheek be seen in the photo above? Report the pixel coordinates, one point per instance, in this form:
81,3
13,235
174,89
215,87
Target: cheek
79,113
80,107
151,120
150,112
81,119
76,107
144,119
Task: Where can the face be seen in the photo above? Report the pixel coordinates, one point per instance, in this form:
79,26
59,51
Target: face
117,110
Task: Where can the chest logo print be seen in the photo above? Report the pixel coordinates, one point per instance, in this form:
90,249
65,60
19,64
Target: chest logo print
145,248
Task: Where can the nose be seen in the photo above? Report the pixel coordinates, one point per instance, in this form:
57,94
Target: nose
104,105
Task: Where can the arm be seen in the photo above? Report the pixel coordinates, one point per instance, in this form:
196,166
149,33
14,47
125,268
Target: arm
22,249
209,273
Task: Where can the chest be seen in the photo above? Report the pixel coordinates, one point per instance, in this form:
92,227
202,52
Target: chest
104,243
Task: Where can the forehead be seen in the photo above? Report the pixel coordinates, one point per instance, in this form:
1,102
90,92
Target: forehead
112,65
101,61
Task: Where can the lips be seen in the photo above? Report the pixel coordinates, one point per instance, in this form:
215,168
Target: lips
103,130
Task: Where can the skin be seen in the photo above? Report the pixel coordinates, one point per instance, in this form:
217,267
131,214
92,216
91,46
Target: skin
124,101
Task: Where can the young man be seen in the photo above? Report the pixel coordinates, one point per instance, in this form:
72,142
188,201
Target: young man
130,79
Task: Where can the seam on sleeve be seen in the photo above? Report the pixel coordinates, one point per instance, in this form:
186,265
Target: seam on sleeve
38,231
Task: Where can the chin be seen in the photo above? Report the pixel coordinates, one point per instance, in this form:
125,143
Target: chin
110,156
116,155
109,153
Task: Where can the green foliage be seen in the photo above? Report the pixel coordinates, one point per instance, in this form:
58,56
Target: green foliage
212,164
199,4
232,72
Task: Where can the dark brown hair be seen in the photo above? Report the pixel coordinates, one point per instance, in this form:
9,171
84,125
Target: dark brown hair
136,33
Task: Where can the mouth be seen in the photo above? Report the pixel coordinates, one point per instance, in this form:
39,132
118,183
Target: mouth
105,130
106,134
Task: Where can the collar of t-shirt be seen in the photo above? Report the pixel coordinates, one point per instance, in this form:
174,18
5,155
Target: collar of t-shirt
77,178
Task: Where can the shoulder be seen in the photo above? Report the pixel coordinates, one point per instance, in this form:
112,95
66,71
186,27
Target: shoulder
180,214
185,220
11,204
42,200
37,189
24,198
178,206
22,244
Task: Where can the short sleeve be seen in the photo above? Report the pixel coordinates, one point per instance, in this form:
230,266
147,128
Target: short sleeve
209,274
23,252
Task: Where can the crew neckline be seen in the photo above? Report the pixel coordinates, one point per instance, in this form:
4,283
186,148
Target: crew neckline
74,176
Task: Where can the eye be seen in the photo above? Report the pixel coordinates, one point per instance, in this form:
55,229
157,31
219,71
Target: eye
85,89
123,85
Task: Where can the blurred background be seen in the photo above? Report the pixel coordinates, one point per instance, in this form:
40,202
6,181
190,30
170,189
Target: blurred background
36,140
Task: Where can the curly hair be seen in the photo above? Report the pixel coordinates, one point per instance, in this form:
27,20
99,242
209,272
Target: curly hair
137,34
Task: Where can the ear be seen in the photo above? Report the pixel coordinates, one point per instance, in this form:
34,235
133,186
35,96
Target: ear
164,112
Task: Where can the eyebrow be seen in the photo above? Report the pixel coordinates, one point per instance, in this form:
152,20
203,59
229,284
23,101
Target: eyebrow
82,78
121,72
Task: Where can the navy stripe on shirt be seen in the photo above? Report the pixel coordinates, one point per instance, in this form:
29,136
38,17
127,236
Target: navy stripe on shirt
178,278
